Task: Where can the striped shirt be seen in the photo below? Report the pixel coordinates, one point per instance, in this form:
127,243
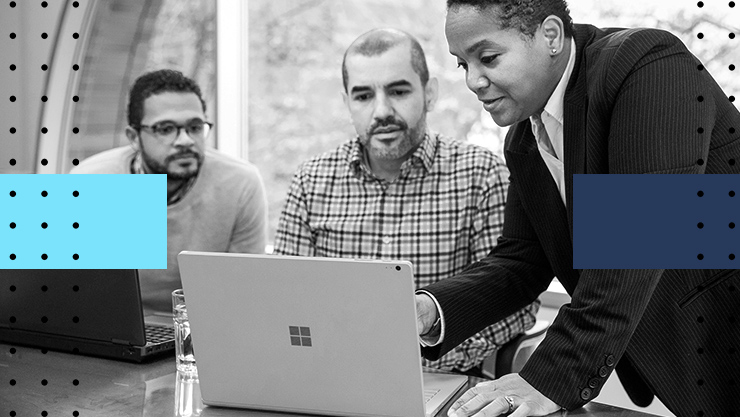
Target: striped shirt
444,211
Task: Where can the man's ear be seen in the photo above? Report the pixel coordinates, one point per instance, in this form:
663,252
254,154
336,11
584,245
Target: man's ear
133,137
553,31
431,93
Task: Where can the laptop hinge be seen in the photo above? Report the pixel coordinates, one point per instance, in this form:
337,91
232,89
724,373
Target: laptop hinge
121,342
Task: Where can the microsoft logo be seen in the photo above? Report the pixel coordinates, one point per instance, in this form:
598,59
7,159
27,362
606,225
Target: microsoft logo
300,336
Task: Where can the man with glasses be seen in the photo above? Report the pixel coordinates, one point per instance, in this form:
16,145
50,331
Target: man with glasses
214,202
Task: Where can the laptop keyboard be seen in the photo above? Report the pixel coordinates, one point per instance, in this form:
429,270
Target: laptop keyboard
159,334
429,393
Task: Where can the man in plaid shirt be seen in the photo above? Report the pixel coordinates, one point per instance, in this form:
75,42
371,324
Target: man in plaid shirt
398,191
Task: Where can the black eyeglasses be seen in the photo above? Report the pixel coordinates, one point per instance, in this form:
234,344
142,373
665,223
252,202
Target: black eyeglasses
169,131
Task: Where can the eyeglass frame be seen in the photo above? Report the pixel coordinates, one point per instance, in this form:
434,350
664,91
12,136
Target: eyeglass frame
179,129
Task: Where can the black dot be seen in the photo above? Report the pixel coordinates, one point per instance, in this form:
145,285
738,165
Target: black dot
12,99
732,130
12,67
12,131
76,130
75,351
700,98
12,288
731,319
700,67
44,130
75,193
700,130
75,67
12,225
76,4
44,319
75,225
731,382
700,256
44,35
44,382
731,351
75,288
731,161
700,35
700,162
700,382
12,193
12,382
731,193
75,162
75,256
732,256
732,4
75,99
700,225
12,162
700,413
12,351
731,288
44,256
732,36
44,225
44,4
75,413
44,67
700,351
75,35
12,35
75,382
75,319
12,257
44,414
44,99
44,288
732,225
12,4
732,99
12,319
44,162
44,194
44,351
12,413
732,67
700,193
700,319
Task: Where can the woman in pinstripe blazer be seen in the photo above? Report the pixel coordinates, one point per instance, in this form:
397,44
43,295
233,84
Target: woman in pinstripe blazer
583,100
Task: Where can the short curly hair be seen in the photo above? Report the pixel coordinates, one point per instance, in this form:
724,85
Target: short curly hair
155,82
523,15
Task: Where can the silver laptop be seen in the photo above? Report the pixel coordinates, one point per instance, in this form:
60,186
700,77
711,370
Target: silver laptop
309,335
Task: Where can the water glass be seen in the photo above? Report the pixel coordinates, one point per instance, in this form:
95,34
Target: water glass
184,355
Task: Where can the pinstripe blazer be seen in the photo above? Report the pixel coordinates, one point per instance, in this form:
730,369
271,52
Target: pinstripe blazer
631,106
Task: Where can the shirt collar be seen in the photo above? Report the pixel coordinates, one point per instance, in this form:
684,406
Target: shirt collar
423,155
555,104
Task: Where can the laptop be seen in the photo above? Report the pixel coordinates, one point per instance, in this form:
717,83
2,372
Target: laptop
95,312
305,335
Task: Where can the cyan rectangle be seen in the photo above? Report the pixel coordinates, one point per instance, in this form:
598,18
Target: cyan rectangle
656,221
121,219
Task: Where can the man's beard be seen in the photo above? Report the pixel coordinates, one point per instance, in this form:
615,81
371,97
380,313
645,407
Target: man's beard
155,167
410,138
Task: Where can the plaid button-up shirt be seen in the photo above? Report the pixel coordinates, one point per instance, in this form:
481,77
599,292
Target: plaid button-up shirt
444,211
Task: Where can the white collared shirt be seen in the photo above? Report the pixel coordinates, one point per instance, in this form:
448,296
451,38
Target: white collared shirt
552,119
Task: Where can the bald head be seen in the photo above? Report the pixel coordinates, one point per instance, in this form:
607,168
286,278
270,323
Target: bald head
378,41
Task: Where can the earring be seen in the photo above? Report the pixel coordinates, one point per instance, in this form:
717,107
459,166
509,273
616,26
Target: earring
554,51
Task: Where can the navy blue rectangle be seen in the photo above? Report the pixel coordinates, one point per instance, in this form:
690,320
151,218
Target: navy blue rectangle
656,221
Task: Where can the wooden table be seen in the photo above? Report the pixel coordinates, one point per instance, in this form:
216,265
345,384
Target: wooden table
60,384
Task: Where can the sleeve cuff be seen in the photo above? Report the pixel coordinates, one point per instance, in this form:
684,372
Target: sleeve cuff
434,339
